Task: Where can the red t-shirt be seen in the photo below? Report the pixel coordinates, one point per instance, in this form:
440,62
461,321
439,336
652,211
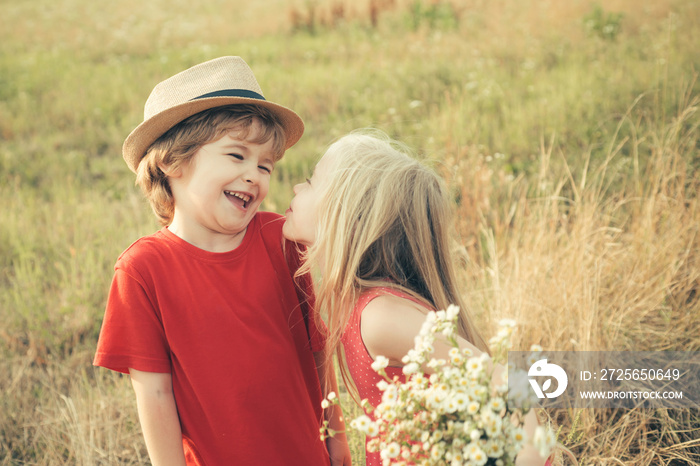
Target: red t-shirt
237,336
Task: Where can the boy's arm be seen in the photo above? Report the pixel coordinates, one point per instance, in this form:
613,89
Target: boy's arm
158,415
338,448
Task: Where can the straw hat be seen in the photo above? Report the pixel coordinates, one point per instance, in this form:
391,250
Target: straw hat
222,81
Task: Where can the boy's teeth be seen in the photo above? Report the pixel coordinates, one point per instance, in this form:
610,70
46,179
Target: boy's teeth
243,197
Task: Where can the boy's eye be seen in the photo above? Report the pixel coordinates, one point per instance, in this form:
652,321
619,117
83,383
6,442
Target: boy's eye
264,168
236,156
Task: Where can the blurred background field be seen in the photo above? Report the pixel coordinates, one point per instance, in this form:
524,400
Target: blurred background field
568,132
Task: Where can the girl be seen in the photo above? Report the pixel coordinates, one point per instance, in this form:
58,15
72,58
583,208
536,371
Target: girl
376,225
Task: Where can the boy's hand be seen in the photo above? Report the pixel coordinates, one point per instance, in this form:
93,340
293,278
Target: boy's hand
158,415
339,450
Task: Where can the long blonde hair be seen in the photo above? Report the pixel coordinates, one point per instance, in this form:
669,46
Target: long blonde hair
384,220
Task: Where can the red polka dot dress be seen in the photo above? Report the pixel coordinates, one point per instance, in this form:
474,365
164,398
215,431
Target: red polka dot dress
359,360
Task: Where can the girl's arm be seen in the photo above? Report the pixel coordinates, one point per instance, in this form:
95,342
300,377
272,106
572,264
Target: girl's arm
338,447
158,415
389,326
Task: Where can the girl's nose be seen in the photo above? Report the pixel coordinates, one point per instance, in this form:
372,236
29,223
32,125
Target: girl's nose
296,188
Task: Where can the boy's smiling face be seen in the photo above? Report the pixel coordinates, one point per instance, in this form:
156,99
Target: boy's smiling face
220,190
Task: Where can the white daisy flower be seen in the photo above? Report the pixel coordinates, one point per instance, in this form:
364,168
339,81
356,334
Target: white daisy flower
380,363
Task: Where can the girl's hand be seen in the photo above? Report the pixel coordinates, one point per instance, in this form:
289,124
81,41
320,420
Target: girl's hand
529,456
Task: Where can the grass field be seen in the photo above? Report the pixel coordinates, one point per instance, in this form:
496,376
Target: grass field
568,132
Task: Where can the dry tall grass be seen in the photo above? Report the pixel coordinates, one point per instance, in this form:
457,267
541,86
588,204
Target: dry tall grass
608,259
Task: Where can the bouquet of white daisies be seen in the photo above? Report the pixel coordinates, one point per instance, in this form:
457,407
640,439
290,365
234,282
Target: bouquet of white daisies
453,417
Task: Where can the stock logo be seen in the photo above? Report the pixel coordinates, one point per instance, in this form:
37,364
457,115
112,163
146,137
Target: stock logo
542,368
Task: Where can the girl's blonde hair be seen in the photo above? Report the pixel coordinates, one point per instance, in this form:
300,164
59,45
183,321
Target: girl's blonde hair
384,220
176,148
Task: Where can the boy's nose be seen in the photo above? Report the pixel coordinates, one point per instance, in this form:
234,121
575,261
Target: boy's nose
252,175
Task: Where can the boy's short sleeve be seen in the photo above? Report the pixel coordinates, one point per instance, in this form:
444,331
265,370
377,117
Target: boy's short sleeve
132,334
305,294
315,325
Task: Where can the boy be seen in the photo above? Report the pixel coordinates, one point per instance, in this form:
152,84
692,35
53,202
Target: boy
205,315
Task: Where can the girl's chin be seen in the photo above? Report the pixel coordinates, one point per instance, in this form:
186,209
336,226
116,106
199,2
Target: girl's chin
297,240
289,236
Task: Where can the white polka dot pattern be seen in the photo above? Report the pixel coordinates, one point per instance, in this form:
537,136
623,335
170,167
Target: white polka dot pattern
359,360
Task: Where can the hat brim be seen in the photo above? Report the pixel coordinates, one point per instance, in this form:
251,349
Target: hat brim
145,134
